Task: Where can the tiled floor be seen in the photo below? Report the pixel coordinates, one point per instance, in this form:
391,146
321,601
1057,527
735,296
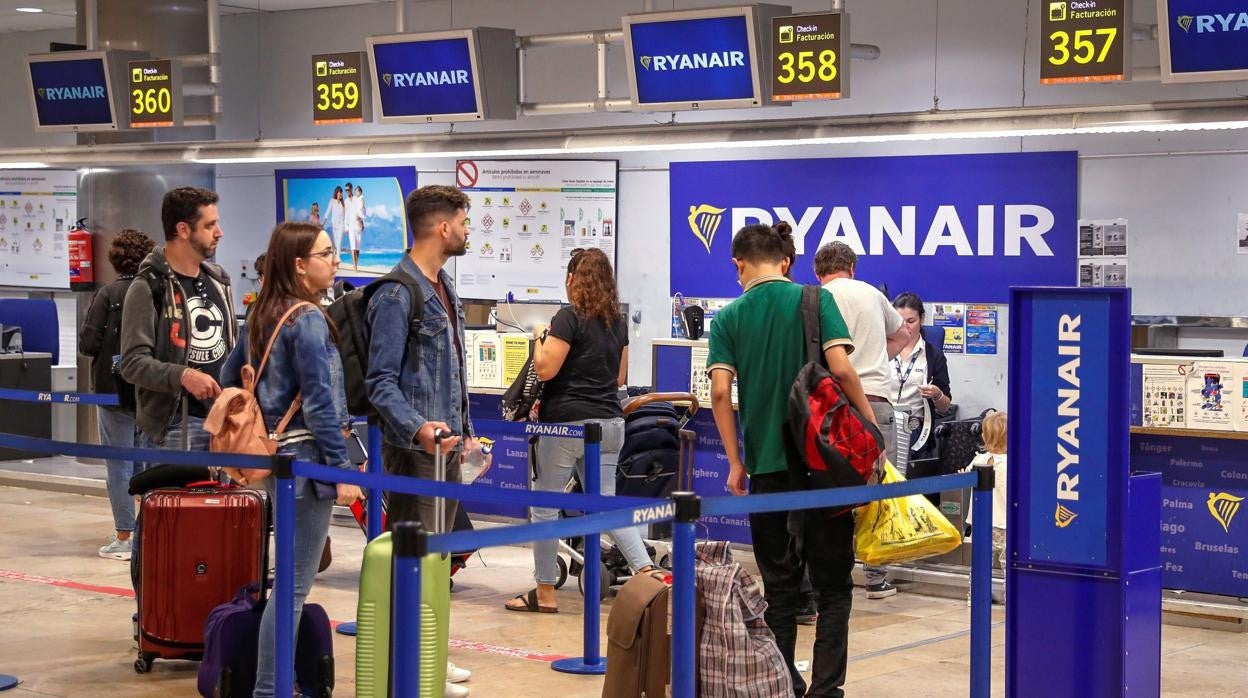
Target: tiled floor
65,628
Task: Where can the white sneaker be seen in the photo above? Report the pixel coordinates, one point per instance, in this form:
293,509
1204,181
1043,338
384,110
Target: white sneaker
456,674
455,691
116,549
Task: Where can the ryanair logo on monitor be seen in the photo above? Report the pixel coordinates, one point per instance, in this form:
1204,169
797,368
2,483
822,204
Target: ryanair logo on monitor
704,220
426,78
53,94
1223,507
1229,22
1063,516
694,61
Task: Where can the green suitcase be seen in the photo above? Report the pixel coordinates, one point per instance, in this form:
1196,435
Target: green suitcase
373,637
372,640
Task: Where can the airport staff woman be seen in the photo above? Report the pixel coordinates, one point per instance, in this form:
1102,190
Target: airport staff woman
920,384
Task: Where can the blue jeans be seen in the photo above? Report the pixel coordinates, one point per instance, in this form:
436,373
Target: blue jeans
312,518
117,429
555,460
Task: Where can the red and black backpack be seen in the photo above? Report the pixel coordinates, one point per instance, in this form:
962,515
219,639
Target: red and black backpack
830,443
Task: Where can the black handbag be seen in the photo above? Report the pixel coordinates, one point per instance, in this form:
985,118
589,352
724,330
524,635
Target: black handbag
521,399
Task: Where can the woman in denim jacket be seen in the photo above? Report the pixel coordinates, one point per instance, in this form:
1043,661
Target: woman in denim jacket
300,265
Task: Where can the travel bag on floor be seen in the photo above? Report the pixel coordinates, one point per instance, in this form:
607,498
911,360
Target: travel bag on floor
639,643
231,645
373,636
199,546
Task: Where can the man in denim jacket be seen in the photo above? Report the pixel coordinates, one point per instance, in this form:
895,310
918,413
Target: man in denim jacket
416,377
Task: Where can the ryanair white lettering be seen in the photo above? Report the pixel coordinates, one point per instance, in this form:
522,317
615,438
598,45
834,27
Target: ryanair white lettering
698,61
1233,21
83,92
1068,406
552,430
431,77
654,513
1023,224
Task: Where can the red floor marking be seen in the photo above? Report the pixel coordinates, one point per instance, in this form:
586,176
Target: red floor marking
482,647
66,583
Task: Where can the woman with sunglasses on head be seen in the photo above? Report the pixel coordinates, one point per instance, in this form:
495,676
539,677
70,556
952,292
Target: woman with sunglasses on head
583,361
303,365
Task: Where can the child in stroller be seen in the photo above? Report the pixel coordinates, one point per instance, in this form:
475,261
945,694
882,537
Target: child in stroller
653,463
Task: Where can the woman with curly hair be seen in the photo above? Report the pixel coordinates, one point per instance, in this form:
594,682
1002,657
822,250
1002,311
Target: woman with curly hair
583,360
100,339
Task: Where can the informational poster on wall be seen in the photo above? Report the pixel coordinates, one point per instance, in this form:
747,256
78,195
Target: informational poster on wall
37,208
952,318
1165,405
362,209
1103,253
700,380
981,329
528,218
1211,398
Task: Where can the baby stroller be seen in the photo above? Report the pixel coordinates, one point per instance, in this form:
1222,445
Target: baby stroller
655,461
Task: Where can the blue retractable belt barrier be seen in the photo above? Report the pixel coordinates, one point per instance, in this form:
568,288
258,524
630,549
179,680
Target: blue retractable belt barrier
591,662
145,455
59,398
469,493
835,497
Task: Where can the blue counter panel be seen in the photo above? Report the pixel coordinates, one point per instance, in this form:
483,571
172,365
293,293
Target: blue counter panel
1204,530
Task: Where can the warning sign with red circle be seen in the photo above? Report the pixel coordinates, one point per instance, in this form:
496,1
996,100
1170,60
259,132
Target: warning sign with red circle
466,174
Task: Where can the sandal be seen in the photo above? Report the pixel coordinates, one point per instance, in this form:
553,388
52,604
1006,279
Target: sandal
530,604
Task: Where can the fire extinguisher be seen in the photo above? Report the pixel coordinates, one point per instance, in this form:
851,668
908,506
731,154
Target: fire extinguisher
81,272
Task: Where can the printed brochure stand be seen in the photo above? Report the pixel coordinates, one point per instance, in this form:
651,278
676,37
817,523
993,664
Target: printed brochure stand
1083,582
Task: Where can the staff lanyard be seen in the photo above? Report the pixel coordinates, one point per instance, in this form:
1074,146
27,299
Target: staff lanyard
903,378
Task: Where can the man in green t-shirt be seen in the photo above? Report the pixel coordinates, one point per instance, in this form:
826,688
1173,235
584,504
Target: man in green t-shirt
759,339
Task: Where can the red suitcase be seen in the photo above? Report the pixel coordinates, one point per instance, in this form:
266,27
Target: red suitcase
199,546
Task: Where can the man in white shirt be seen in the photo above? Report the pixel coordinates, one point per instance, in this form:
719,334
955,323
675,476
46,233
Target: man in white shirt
878,334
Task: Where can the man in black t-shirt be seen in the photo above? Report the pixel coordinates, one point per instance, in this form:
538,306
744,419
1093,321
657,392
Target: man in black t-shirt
178,323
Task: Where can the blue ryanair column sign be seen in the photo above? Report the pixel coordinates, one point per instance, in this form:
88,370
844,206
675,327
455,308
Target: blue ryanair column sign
1083,581
1068,482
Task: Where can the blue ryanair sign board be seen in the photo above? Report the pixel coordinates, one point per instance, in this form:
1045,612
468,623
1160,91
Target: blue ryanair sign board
1069,423
71,92
1203,39
693,60
986,221
422,78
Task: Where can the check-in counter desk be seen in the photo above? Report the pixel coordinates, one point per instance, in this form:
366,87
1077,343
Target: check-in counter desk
1189,422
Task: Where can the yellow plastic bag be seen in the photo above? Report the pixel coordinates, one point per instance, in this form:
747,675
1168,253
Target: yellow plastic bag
901,529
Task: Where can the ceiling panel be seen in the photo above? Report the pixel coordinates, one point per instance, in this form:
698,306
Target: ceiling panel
59,14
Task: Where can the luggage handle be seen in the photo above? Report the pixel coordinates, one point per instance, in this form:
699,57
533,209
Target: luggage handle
439,475
688,399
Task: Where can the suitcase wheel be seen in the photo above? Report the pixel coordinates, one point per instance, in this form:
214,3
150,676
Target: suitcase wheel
563,572
143,664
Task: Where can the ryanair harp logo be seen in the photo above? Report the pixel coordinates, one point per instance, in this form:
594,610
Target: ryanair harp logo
1185,21
704,220
645,62
1223,507
1063,516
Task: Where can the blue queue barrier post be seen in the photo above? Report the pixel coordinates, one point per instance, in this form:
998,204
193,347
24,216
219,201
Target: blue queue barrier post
284,578
411,543
591,576
375,507
688,509
981,584
8,681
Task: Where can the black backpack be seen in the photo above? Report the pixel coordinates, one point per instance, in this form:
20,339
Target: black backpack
106,370
350,315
